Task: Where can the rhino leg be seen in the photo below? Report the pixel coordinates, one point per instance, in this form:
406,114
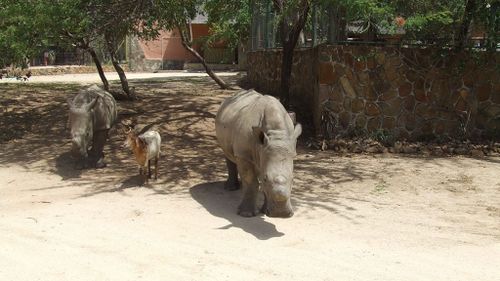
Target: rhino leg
248,206
81,163
156,168
96,152
232,179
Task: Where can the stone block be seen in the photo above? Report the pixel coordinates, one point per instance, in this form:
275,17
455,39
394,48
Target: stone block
345,119
327,74
389,123
461,105
373,124
336,94
371,109
360,121
483,92
391,107
346,85
425,111
349,60
323,93
380,58
364,78
421,95
409,103
387,95
405,89
359,65
357,105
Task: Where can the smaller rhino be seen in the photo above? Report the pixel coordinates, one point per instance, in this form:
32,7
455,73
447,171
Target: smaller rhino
92,113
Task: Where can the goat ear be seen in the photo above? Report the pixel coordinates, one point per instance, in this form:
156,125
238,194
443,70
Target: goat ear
260,135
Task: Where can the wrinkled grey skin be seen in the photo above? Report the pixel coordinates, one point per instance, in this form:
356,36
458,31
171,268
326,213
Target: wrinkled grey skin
92,113
258,139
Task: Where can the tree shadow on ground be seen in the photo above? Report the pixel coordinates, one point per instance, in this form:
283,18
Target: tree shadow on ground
221,203
183,111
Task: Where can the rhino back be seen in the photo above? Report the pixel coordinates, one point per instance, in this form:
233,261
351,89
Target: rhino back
243,111
105,111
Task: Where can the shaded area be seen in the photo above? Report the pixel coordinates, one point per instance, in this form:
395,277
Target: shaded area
34,116
223,204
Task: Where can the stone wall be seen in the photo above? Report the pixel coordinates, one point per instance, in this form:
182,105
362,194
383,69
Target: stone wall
405,93
264,70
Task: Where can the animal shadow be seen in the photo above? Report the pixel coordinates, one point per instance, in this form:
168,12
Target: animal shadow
65,166
224,204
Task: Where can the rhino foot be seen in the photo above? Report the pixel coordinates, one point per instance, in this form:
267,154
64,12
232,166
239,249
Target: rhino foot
80,166
231,186
247,211
100,164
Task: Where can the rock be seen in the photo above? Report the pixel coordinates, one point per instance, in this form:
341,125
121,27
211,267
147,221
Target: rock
437,151
411,149
375,149
356,148
477,153
398,146
426,151
461,150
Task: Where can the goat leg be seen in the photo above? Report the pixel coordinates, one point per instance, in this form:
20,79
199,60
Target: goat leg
149,169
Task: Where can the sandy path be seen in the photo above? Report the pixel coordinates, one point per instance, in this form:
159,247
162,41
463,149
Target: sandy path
111,76
384,217
416,228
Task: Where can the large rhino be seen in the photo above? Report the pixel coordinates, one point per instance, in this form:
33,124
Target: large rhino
258,139
92,113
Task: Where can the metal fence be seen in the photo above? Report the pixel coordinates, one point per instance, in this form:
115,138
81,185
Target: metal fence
59,57
326,24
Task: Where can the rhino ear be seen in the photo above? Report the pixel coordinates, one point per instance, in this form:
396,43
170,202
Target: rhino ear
260,135
91,104
297,131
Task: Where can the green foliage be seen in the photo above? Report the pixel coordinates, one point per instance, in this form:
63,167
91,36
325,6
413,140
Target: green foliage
19,36
431,25
228,20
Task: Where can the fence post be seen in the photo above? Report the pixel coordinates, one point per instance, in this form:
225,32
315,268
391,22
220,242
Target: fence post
314,24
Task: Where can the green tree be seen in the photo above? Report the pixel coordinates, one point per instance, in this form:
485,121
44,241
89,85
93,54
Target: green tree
292,17
228,21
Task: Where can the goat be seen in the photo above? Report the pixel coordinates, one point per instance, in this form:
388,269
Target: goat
146,147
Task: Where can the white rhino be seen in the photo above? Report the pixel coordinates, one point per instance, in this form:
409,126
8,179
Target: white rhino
92,112
258,139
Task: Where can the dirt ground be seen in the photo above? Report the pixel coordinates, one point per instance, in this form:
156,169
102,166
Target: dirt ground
357,217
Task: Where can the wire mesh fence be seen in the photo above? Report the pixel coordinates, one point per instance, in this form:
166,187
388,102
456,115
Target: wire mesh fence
327,23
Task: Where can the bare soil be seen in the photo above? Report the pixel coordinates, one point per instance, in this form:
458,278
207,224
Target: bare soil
357,217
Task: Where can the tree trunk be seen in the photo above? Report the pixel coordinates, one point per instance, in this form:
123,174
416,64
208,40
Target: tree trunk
286,73
98,65
290,36
461,39
185,42
209,71
118,68
123,78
